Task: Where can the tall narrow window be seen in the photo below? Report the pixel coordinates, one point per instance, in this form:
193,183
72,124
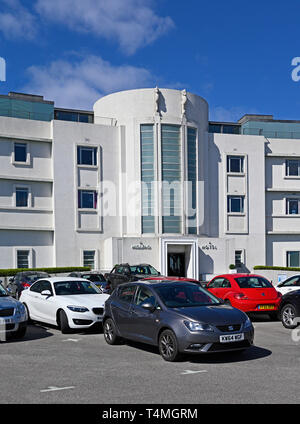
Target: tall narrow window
171,178
20,152
23,259
192,178
147,177
89,258
292,206
22,197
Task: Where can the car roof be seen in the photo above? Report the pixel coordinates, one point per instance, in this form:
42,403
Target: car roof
64,279
149,282
237,275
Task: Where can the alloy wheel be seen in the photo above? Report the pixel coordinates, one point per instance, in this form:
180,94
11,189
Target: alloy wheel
108,331
288,316
167,346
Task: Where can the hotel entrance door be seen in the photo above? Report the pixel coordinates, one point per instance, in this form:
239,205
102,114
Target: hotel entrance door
176,265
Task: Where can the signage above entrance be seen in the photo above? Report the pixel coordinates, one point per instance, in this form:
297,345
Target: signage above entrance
141,246
209,246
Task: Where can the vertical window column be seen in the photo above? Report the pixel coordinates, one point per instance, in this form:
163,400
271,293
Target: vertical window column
192,179
171,179
147,177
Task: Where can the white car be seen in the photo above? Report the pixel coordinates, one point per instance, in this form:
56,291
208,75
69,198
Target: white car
70,303
288,285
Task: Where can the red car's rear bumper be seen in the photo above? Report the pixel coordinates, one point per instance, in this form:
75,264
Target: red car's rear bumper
256,305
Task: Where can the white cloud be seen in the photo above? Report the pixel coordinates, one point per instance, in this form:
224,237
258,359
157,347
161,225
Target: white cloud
78,85
132,23
16,21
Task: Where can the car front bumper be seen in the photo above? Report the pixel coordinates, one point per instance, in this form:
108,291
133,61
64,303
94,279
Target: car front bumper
210,341
83,319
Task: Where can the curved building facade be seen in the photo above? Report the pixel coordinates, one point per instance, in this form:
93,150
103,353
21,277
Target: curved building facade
146,178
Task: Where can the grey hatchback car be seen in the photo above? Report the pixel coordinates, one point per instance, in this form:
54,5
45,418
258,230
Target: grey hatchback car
177,317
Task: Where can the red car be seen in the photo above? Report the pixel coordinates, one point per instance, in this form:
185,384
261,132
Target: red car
247,292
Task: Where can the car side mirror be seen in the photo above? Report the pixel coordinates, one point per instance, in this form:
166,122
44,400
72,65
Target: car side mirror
46,293
149,307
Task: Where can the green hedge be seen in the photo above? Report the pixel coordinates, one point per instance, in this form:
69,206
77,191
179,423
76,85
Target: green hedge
275,268
11,272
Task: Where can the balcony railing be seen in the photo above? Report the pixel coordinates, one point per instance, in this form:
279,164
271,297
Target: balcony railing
271,134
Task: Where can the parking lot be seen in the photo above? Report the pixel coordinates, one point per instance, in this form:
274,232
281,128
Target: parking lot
49,367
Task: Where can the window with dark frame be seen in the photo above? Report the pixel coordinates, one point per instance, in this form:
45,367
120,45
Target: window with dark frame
89,258
292,206
86,155
235,204
235,164
87,199
20,152
23,259
22,195
292,168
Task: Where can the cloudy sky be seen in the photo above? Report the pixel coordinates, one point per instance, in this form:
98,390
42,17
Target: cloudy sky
236,55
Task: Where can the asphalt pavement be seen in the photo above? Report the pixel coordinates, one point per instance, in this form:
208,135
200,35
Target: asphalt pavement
47,367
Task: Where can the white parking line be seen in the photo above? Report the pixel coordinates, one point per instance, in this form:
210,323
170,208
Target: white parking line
186,372
71,340
54,389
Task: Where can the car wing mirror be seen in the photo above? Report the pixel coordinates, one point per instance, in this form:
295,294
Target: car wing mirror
148,306
46,293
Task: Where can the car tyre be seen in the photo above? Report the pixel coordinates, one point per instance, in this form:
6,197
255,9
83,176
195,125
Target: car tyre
168,346
20,333
287,314
110,332
64,323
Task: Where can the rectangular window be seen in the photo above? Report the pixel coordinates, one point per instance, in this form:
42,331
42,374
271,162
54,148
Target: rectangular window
235,164
20,152
23,259
86,155
171,178
89,258
147,177
22,197
192,179
292,206
235,204
87,199
293,259
292,168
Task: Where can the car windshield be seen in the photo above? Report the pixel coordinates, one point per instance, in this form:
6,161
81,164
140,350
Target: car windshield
185,295
3,292
253,282
143,270
64,288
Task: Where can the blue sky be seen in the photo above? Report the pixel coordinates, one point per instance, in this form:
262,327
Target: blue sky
236,55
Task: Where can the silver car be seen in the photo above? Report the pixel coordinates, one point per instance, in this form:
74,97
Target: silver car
13,316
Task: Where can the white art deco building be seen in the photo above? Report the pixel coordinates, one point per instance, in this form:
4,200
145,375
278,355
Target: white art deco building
146,178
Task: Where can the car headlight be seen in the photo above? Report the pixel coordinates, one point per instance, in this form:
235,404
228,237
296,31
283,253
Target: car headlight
248,323
78,308
198,326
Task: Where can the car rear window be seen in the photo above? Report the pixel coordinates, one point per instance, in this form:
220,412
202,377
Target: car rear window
253,282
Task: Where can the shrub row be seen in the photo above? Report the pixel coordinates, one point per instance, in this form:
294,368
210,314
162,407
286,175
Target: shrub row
11,272
279,268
